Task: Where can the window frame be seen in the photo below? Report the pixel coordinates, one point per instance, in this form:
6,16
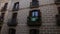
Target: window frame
30,13
14,6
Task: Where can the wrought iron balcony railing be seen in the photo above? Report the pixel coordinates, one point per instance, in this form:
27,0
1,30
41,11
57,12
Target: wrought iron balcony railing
12,22
34,18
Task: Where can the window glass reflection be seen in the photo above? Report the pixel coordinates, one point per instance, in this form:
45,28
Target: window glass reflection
35,13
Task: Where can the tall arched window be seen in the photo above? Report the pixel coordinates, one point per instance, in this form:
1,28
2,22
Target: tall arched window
16,6
4,8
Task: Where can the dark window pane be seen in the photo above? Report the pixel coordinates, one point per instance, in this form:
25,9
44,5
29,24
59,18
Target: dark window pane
2,16
58,20
14,15
16,6
13,20
59,10
58,17
34,31
34,4
57,2
34,0
12,31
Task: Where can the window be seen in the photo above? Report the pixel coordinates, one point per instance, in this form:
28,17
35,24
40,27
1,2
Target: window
34,3
35,13
16,6
34,0
58,20
58,17
57,2
14,15
59,10
34,18
0,28
14,18
12,31
2,17
13,21
5,7
34,31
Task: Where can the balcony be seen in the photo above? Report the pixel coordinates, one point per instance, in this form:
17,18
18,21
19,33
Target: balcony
34,18
12,22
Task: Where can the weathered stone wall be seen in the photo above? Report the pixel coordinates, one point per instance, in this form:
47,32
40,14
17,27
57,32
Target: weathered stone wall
48,12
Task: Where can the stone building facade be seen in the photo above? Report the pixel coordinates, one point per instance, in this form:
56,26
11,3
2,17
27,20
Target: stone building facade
48,10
